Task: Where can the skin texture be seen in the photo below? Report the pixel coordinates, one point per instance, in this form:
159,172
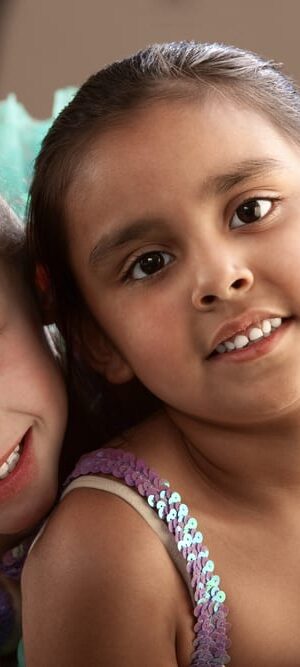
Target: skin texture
33,400
228,436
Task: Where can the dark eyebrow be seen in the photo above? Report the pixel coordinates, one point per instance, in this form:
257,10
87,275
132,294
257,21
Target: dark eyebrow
141,229
239,173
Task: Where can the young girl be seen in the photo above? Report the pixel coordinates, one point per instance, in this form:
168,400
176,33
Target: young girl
165,207
33,411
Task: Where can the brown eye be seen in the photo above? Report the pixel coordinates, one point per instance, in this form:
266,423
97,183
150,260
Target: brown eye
250,211
149,264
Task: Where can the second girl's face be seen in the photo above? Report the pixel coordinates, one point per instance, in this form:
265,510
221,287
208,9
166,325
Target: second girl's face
33,410
184,233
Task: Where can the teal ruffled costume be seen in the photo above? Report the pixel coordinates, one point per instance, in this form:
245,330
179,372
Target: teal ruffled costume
20,655
20,141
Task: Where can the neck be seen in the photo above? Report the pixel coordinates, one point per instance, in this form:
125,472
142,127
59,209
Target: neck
256,463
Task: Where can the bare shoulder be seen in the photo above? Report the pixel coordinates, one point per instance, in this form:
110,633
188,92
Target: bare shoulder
100,587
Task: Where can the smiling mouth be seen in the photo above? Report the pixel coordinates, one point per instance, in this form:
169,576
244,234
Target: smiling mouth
9,465
249,337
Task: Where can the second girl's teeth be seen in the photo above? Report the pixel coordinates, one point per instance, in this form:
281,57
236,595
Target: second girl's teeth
253,334
10,463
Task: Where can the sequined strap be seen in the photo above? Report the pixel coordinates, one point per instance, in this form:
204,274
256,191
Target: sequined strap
12,561
211,628
138,503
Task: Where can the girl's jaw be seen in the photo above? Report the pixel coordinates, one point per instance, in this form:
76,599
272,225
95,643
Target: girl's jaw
29,490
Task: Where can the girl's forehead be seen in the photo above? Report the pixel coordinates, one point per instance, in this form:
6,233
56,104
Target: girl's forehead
213,108
173,142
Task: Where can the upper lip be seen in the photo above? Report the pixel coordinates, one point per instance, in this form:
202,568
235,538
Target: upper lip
239,325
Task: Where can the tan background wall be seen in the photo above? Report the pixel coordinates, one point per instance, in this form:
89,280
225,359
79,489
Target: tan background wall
46,44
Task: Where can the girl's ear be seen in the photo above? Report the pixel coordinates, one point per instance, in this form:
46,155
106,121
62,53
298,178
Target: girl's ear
100,353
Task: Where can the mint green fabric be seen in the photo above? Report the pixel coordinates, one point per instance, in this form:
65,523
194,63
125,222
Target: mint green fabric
20,656
20,141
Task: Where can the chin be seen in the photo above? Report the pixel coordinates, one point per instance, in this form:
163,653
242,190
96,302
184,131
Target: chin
25,516
19,525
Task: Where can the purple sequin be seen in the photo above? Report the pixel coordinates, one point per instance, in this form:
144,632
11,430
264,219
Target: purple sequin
211,628
12,561
7,616
11,565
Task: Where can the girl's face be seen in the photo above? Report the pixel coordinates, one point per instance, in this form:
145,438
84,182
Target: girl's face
32,410
184,232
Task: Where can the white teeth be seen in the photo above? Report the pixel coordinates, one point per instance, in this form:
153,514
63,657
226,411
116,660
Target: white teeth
276,322
240,341
255,333
266,327
4,470
229,345
10,463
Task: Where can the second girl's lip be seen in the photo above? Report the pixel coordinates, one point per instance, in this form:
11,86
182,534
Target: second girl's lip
12,449
238,325
22,473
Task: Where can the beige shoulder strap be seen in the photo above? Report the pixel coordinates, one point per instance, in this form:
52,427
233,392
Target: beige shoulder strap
141,506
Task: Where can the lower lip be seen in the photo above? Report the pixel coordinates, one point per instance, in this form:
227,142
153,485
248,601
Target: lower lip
22,474
262,347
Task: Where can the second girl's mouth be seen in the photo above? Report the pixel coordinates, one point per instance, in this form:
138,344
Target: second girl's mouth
8,466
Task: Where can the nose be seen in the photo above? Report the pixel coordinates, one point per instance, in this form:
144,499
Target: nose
226,283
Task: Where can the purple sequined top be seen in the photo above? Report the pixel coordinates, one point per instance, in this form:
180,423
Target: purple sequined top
211,628
12,561
11,565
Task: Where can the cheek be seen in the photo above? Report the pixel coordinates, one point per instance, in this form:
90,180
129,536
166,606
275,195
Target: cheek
158,352
284,264
28,368
151,324
276,257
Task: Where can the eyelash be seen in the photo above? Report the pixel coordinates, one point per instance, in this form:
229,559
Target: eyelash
271,200
127,274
